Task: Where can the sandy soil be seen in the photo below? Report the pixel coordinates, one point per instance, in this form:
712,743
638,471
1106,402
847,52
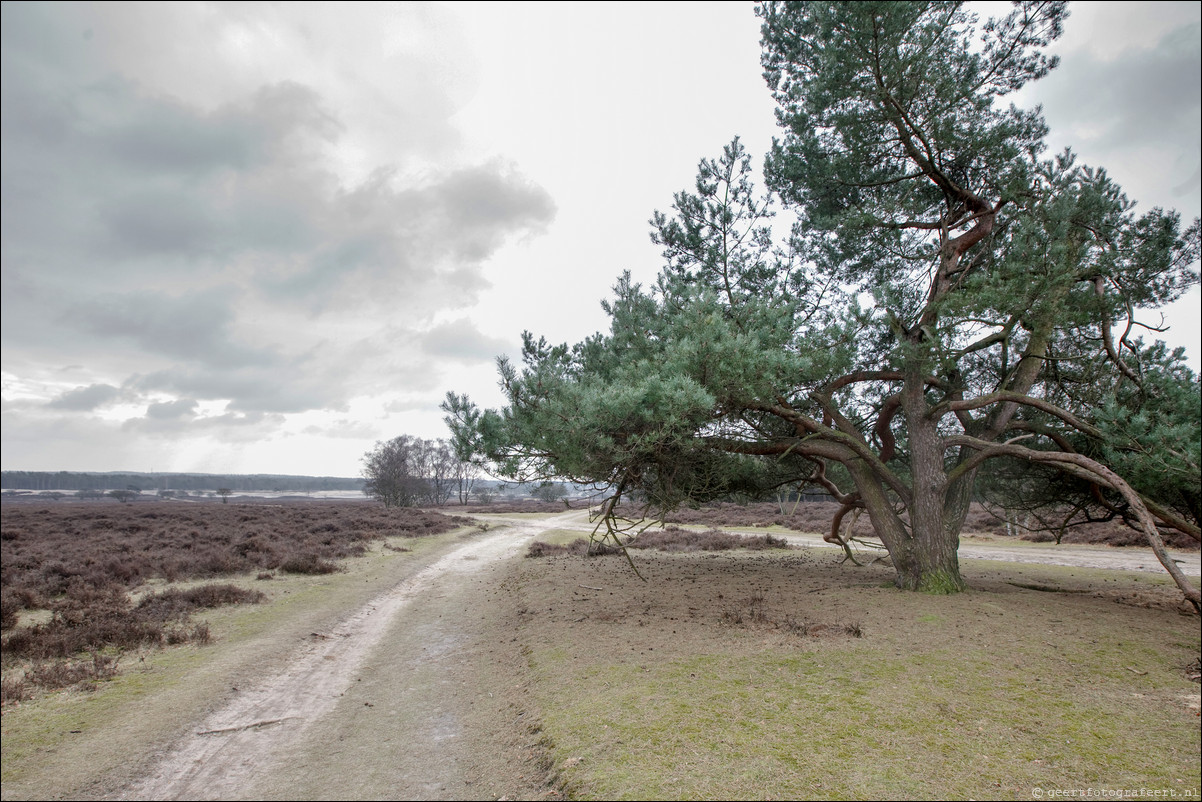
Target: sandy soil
1116,559
397,701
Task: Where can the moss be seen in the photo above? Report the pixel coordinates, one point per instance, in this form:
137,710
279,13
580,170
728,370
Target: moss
942,582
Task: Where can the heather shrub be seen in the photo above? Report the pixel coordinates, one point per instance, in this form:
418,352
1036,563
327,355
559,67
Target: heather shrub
540,549
12,690
80,561
45,547
307,563
580,547
174,604
10,606
816,517
672,538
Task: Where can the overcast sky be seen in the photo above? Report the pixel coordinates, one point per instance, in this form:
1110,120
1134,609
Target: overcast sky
258,238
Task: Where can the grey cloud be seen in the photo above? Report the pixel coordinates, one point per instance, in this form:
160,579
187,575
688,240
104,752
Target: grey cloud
145,176
122,123
409,405
462,341
394,240
1150,95
157,221
182,409
322,379
272,215
344,429
230,427
1189,185
486,202
148,232
86,399
41,442
194,327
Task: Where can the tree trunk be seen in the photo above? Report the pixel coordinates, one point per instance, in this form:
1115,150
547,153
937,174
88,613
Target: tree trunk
928,562
924,553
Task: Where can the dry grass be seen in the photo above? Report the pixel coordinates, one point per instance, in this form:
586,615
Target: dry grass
736,675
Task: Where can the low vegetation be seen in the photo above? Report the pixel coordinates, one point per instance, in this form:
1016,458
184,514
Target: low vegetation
670,538
787,675
508,507
72,571
731,673
673,538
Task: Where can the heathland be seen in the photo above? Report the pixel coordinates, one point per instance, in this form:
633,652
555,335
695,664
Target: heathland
416,653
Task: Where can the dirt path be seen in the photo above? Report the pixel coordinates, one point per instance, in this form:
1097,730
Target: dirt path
418,694
387,704
1117,559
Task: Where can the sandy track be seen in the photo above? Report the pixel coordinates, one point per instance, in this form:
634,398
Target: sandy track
1069,554
248,747
1116,559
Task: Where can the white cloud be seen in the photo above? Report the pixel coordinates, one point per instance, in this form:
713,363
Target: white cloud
259,237
201,204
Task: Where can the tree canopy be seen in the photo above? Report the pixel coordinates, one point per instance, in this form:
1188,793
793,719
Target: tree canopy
947,307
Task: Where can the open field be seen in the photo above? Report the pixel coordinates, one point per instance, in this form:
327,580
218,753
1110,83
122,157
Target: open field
776,673
736,675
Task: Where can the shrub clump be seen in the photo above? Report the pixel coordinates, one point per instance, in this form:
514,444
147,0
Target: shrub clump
307,563
59,674
673,538
92,620
100,621
580,547
80,561
45,548
178,604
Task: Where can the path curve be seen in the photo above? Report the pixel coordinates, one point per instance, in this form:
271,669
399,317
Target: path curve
245,744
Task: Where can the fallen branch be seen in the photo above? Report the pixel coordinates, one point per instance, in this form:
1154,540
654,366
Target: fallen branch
253,726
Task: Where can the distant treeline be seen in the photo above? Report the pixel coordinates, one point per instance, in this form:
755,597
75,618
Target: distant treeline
151,482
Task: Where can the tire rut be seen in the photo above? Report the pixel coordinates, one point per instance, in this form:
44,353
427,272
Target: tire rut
246,743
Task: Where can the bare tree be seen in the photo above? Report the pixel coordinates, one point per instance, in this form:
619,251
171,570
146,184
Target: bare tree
437,465
409,471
